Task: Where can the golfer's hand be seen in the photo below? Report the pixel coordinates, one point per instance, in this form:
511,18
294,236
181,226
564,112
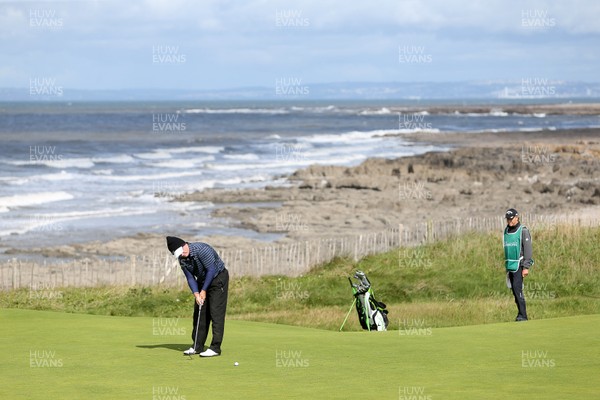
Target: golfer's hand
525,272
199,300
202,296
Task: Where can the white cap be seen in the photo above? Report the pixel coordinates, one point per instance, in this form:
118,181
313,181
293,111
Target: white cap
178,252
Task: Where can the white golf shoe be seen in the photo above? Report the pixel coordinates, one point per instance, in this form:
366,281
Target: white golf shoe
209,353
189,352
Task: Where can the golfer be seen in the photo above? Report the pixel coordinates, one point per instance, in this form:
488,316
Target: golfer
208,280
517,258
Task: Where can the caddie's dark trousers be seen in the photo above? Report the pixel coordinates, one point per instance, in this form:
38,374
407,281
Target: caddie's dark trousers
213,312
516,281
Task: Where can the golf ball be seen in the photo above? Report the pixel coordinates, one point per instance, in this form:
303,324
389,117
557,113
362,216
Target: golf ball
236,363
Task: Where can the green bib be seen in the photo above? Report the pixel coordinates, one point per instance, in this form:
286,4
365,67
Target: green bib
512,249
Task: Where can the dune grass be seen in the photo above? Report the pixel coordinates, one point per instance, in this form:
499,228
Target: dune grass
459,281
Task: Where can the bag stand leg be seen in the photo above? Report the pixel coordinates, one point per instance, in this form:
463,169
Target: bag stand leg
349,311
366,308
368,318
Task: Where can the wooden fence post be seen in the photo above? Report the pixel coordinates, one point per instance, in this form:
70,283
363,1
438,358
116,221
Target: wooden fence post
286,259
132,258
14,275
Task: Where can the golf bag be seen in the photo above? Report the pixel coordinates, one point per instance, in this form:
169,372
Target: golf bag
371,313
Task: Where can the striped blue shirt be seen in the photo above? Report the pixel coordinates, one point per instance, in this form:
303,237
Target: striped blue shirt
201,266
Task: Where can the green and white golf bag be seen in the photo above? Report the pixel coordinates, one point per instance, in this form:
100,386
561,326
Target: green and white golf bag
371,313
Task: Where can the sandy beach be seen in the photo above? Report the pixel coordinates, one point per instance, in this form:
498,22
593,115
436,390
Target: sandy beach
547,172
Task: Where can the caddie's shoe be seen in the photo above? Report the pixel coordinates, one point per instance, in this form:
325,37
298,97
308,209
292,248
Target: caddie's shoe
209,353
189,352
519,319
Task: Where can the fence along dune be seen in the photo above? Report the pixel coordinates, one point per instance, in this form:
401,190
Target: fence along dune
294,259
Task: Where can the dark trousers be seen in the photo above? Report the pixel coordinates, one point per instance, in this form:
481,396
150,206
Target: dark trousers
213,312
516,281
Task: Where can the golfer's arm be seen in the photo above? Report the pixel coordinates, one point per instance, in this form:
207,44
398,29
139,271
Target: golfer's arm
210,274
191,280
208,260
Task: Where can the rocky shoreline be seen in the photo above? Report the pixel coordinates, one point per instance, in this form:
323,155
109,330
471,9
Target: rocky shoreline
547,172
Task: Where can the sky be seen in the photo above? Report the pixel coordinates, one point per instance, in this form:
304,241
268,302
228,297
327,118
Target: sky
221,44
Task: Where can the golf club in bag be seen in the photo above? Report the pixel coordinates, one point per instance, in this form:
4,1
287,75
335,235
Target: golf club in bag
371,313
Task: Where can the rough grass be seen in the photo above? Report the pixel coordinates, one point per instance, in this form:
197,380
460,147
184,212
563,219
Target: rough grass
459,281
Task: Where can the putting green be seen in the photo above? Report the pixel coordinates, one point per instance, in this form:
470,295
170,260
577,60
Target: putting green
50,355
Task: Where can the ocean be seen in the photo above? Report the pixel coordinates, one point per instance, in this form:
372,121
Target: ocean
76,172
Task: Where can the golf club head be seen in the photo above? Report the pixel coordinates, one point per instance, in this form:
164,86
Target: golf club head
359,275
364,281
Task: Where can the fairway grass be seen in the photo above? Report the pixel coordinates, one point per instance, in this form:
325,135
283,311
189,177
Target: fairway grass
53,355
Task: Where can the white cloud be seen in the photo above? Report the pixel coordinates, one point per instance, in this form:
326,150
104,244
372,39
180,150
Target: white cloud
578,16
252,16
238,43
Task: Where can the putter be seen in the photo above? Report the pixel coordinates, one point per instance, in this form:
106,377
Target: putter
197,325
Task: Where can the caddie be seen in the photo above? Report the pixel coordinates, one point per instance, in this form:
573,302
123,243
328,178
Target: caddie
517,258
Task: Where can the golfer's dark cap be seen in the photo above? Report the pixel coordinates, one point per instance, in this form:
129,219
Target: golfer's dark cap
511,213
173,243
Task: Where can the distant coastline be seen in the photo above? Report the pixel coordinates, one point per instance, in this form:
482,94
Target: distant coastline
516,91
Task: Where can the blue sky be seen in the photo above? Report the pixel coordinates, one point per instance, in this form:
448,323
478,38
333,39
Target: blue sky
208,44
